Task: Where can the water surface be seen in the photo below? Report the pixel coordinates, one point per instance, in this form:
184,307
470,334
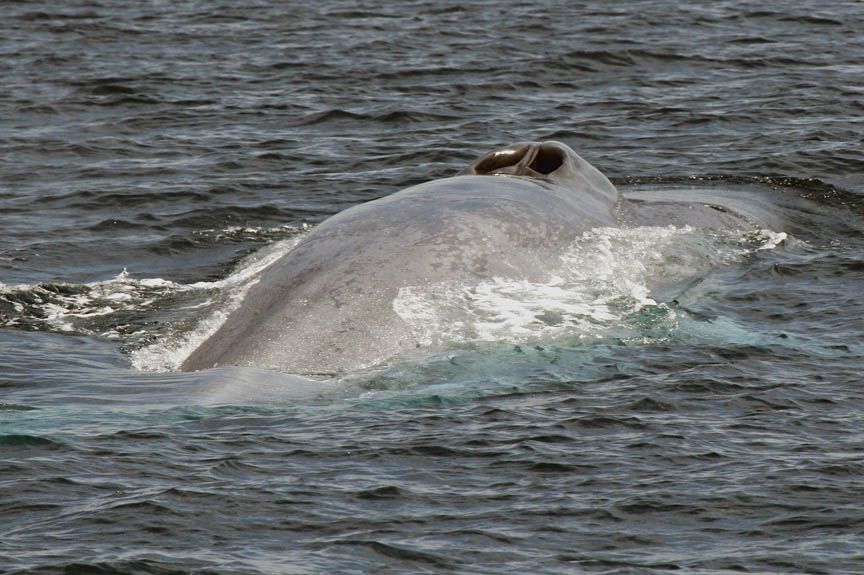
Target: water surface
154,156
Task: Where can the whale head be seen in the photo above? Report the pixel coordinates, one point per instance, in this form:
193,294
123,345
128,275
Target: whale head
551,162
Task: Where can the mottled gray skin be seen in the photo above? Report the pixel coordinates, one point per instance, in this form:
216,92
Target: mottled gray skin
326,307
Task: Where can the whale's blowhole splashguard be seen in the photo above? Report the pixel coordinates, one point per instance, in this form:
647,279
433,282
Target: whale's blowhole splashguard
527,159
549,163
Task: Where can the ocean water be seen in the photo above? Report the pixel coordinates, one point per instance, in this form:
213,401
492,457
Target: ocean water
671,400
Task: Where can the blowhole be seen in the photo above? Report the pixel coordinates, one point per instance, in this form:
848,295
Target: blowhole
548,159
499,160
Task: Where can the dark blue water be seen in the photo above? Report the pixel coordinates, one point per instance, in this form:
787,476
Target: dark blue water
154,156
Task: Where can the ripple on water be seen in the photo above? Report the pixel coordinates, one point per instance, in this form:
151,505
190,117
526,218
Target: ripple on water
713,430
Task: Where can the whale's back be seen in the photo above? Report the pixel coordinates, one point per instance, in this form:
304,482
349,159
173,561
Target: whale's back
326,307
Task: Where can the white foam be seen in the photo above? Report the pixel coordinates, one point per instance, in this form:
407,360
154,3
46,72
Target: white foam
772,239
605,277
60,309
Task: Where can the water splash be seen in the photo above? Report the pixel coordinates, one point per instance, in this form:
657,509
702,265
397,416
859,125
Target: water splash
158,321
169,352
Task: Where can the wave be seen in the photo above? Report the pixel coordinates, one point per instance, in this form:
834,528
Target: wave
158,321
388,117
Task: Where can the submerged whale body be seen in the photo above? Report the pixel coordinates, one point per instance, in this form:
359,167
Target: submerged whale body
327,306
